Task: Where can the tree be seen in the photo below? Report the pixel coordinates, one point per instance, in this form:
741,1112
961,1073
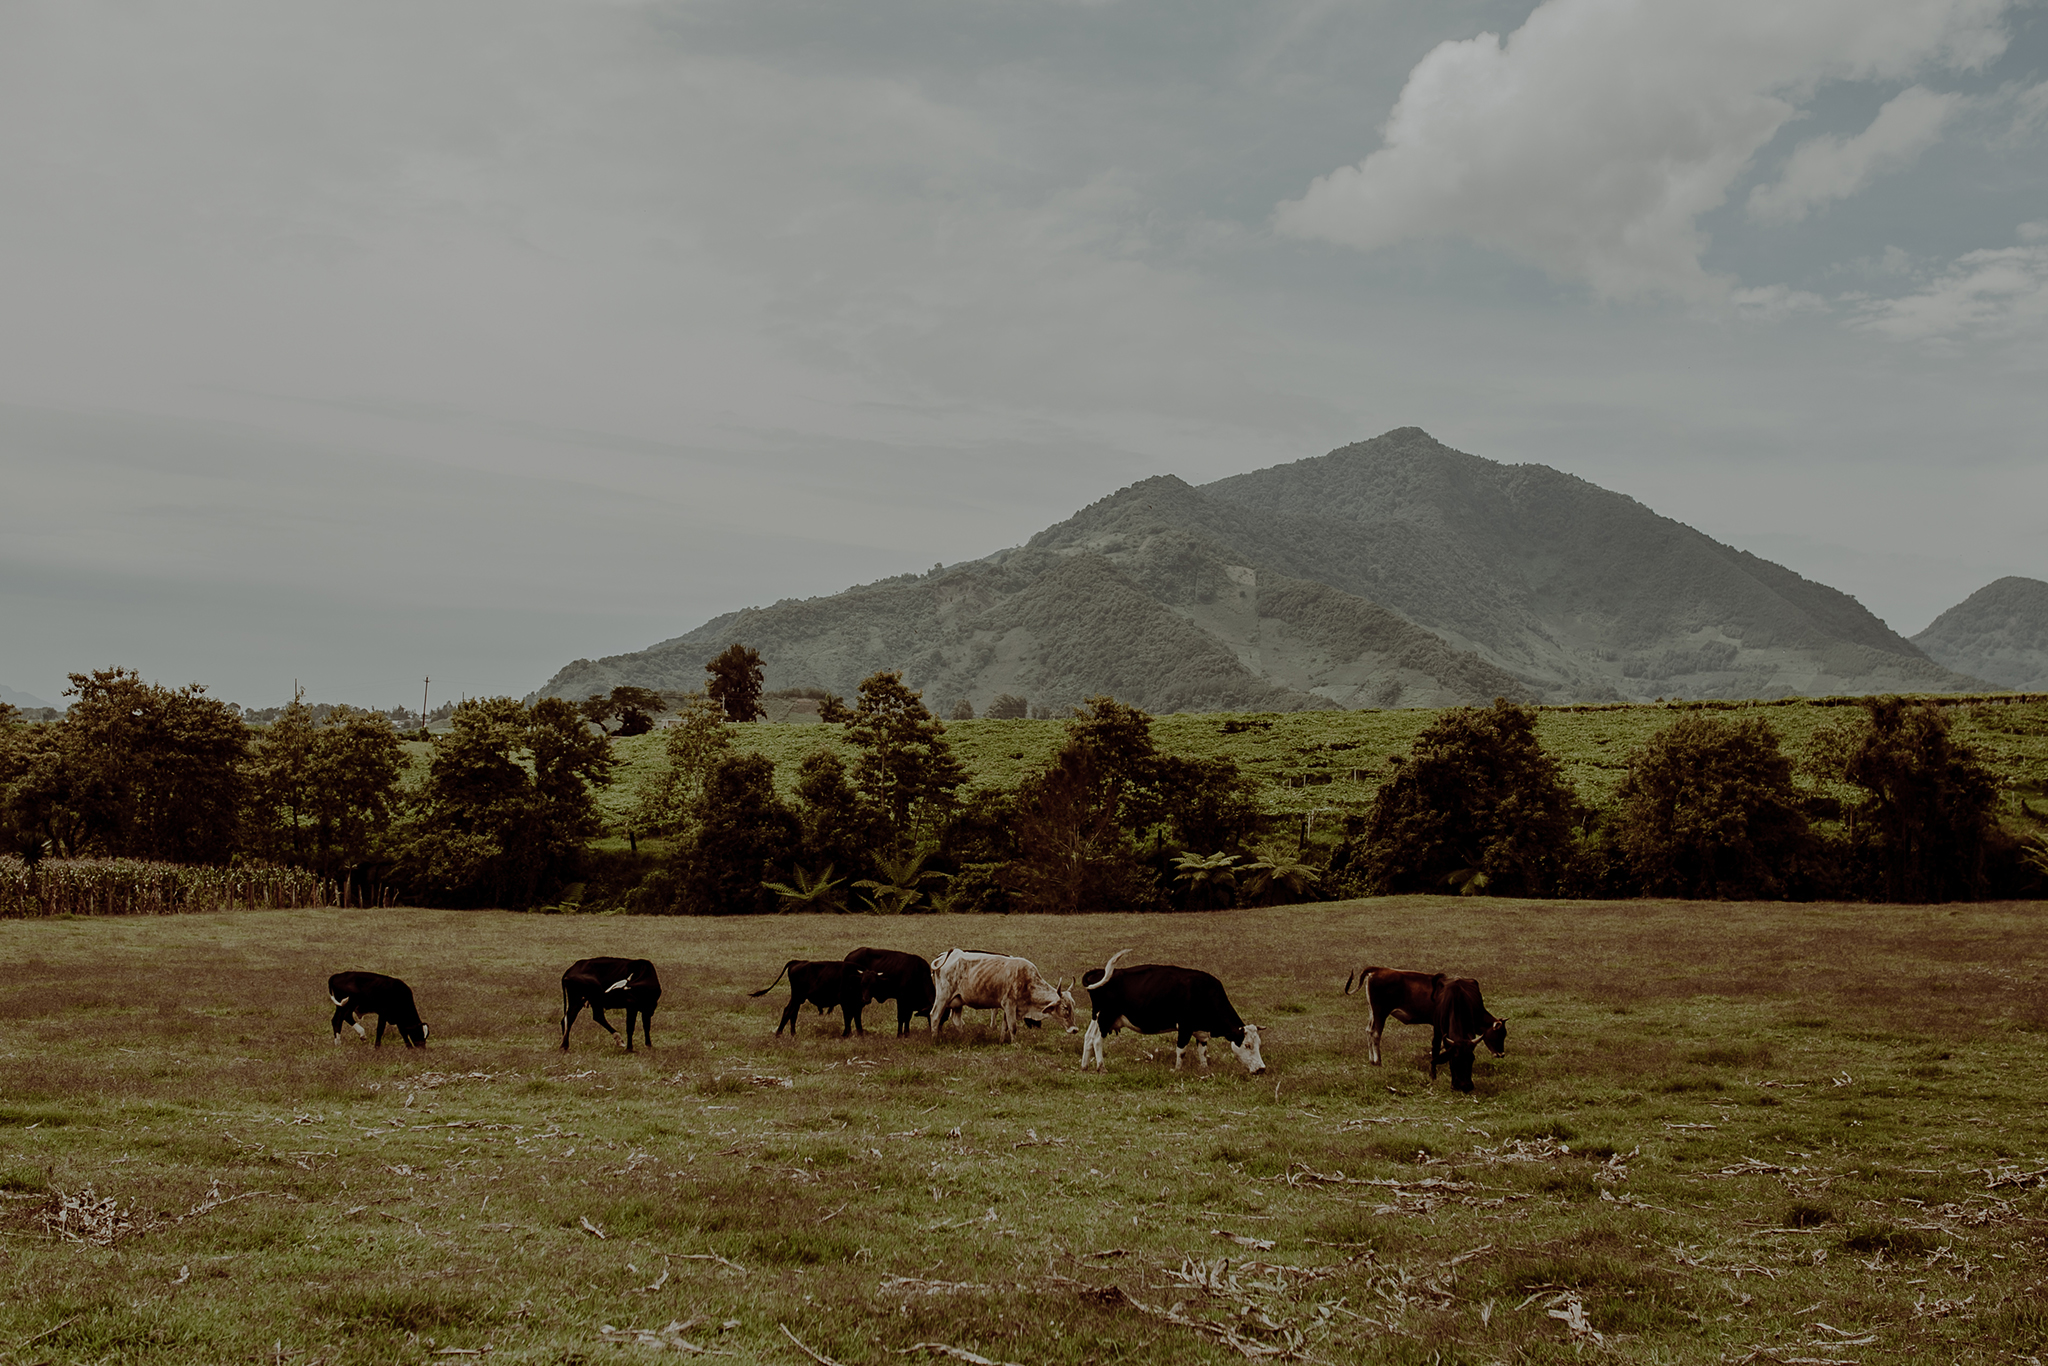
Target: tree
906,767
507,803
696,742
321,795
633,708
1207,803
1929,816
735,683
151,772
1007,707
1074,855
963,710
1708,810
742,839
1476,801
838,824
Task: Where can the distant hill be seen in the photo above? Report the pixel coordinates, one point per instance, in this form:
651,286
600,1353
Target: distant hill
1999,632
25,701
1395,572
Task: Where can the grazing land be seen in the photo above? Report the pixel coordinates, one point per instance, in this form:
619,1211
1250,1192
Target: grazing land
1721,1133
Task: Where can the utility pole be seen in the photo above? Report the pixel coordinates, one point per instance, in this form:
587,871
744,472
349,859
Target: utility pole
423,703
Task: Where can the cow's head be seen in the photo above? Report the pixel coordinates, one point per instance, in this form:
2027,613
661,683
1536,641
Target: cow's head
1056,1003
1248,1050
415,1033
1496,1037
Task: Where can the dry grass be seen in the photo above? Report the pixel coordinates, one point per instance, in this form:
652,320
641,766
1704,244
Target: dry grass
1721,1133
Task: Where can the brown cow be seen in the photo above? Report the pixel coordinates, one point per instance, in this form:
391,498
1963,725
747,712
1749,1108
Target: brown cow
1432,998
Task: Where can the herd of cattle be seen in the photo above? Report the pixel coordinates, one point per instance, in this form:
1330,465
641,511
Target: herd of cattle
1148,998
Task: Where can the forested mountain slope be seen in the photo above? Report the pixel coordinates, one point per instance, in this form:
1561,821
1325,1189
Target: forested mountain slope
1999,632
1396,572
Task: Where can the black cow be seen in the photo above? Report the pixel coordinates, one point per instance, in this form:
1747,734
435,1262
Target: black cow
829,986
1460,1022
1153,998
372,993
902,977
628,984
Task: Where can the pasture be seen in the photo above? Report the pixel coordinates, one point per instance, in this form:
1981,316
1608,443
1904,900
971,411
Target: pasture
1721,1133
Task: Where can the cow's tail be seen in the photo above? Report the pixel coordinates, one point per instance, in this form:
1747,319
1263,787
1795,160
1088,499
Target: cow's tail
1360,975
778,977
1108,970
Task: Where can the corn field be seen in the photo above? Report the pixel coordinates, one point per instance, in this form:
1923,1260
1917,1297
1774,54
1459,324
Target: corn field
116,886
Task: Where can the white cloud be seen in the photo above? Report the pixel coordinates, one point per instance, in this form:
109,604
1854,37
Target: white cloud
1824,169
1998,295
1591,140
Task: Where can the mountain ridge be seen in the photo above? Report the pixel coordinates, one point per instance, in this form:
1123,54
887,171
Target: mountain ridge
1391,572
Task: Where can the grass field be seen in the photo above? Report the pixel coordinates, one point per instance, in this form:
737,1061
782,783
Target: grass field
1592,744
1720,1133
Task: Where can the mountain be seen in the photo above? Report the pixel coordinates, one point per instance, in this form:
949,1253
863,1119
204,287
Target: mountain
1999,632
23,700
1394,572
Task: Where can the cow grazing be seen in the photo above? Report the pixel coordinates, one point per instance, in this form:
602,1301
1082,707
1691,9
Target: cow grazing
1425,998
902,977
1462,1022
628,984
1153,998
829,986
356,994
964,979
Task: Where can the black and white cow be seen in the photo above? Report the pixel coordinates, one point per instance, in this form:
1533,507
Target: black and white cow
902,977
829,986
1153,998
628,984
356,994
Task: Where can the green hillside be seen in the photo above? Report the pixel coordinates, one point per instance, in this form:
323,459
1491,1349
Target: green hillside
1593,743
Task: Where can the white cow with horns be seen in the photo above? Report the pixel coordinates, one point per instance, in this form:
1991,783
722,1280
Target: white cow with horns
1011,986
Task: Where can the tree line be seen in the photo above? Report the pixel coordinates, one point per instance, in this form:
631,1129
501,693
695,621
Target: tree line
1889,806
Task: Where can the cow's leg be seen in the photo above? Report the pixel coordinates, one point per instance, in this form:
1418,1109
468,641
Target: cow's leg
597,1017
380,1031
646,1027
1009,1022
1202,1051
342,1017
790,1014
1180,1045
1092,1040
572,1006
630,1013
903,1013
1372,1040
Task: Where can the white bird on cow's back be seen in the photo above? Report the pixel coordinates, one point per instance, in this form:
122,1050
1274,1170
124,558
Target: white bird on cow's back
1156,998
968,979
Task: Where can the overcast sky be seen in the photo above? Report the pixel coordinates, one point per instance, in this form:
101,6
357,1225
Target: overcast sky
357,342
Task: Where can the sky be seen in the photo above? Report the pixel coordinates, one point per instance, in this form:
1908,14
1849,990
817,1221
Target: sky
346,345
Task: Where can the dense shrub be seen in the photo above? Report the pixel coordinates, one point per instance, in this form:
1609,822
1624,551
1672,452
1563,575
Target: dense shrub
1709,810
1476,806
744,837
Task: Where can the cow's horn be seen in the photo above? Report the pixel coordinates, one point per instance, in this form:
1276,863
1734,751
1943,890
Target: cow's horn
1109,968
618,985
